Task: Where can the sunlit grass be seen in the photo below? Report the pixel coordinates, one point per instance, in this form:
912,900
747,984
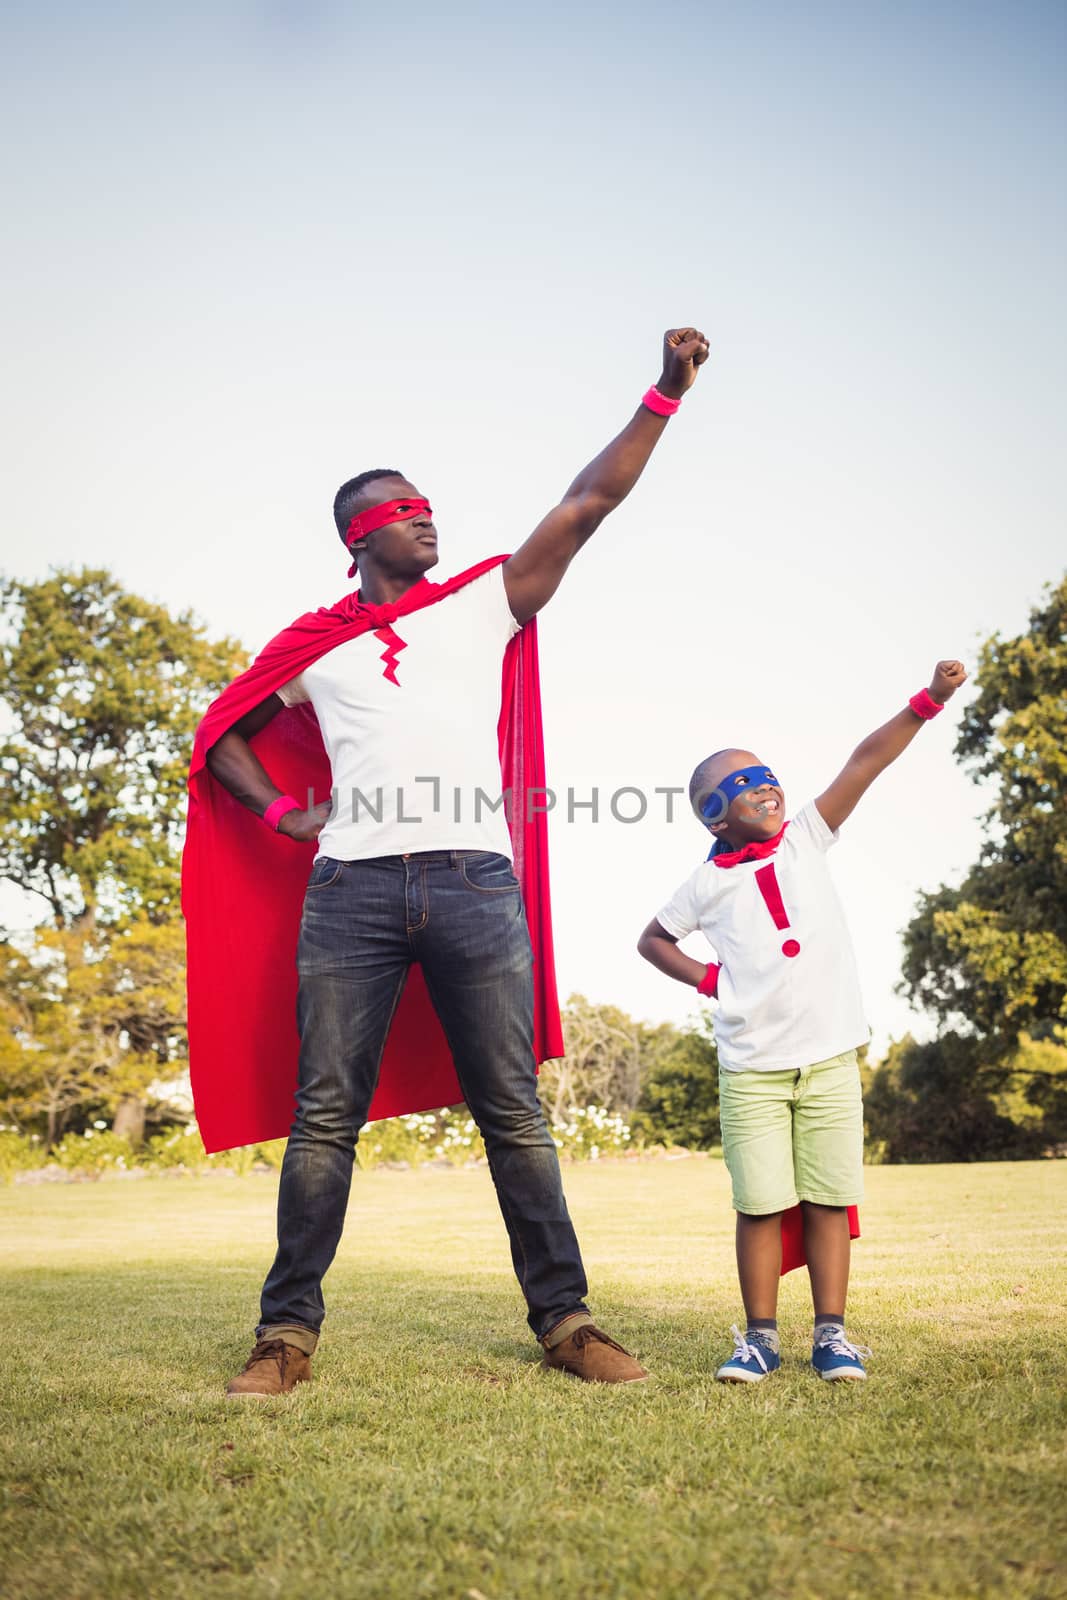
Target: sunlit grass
430,1456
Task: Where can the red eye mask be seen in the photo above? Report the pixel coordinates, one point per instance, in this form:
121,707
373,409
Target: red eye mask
380,517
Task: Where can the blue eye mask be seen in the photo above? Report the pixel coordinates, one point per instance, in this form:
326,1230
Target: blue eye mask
719,800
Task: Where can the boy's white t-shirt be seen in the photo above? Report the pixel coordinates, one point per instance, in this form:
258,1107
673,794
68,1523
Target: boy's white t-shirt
408,759
776,1012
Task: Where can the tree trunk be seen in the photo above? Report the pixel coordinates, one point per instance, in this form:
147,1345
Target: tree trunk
129,1119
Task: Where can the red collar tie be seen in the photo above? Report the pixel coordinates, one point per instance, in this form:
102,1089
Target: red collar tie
757,850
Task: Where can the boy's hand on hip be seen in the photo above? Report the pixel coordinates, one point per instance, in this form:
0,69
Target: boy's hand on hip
684,350
947,678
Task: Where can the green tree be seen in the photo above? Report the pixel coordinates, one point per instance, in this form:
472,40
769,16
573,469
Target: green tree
938,1101
603,1061
1035,1095
680,1099
991,955
663,1079
44,1054
100,693
989,958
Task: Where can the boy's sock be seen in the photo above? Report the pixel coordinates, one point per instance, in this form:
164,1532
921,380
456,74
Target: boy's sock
764,1329
828,1319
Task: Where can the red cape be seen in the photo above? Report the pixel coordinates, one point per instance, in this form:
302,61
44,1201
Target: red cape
793,1236
243,889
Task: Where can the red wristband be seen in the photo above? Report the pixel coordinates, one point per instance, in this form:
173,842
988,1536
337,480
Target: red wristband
709,983
924,705
277,809
661,404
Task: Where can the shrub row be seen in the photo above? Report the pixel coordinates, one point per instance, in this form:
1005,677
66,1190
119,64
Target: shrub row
441,1136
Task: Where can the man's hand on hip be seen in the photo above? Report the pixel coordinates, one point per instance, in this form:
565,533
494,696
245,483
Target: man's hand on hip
305,825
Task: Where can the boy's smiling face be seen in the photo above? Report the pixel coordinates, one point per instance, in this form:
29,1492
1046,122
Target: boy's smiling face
755,804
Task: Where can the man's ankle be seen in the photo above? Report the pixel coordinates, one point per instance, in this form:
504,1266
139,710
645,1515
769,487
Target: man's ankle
290,1333
563,1329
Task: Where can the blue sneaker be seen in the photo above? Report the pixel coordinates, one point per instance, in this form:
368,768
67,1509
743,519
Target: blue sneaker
752,1360
833,1356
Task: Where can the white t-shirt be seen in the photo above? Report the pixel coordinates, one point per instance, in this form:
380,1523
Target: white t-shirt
776,1012
415,763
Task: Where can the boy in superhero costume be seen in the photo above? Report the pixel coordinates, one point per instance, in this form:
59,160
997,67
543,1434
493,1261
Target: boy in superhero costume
787,1024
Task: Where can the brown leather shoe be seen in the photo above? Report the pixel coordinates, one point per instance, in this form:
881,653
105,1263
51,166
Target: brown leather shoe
593,1357
273,1368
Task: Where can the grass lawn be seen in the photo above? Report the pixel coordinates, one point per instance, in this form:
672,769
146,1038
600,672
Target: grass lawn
431,1457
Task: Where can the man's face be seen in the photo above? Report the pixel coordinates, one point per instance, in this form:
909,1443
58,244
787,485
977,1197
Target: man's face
755,810
398,547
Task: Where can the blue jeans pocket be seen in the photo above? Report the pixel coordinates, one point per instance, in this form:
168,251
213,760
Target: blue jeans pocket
488,873
324,872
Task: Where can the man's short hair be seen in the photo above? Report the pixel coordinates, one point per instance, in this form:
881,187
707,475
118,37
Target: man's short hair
344,501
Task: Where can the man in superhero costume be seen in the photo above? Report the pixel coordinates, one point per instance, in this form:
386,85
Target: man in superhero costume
424,958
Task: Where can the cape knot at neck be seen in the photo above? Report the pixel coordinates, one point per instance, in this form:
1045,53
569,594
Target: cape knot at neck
384,615
756,851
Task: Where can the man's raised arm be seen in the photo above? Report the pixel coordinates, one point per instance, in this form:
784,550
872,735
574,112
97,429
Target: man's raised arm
532,575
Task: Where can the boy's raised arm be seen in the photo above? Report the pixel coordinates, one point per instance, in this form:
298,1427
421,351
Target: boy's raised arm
881,747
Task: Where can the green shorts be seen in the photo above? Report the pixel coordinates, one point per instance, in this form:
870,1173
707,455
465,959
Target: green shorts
790,1136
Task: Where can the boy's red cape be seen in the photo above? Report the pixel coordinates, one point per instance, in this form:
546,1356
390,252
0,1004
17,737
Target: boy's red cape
793,1236
243,889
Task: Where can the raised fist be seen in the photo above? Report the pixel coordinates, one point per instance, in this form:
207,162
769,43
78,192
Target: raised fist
684,350
947,678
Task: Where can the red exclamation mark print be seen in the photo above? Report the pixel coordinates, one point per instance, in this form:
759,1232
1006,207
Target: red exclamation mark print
767,884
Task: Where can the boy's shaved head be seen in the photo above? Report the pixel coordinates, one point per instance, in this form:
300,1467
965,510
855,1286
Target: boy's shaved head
713,769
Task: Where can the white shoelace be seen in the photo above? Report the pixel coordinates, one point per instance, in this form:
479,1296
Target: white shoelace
844,1347
743,1351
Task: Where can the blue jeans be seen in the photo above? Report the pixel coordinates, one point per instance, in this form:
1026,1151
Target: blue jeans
458,913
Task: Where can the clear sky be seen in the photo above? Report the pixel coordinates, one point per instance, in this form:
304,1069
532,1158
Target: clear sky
254,249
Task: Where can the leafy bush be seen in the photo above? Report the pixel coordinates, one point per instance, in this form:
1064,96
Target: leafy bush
458,1140
177,1147
97,1150
272,1154
19,1152
398,1140
182,1148
449,1135
591,1132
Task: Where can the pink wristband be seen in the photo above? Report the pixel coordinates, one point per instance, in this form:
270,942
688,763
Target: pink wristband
924,705
277,809
661,404
709,983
